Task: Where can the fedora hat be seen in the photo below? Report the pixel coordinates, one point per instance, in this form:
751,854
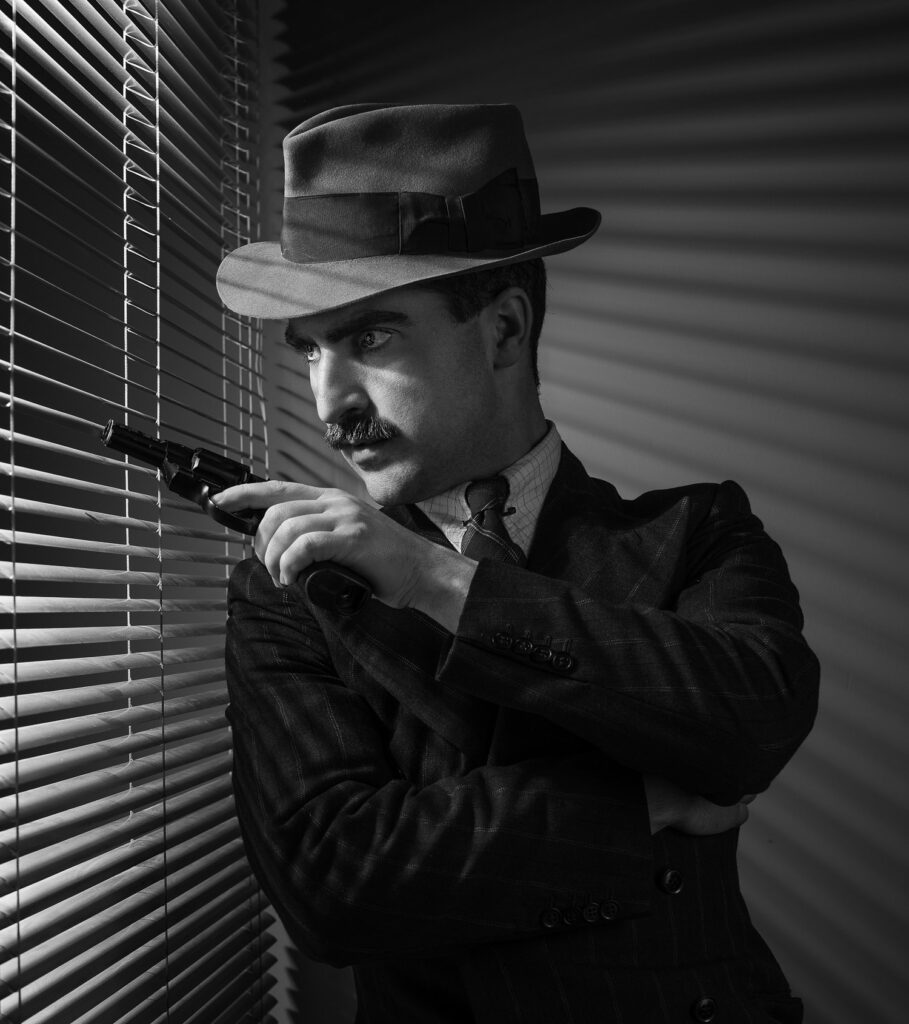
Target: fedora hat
378,196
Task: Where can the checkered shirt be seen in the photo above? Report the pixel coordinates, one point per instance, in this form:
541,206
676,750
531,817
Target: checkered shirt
528,481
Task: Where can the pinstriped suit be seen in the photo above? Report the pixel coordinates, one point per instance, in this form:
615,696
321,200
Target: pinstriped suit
463,818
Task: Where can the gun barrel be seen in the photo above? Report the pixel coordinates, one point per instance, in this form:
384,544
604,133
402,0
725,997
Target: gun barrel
145,447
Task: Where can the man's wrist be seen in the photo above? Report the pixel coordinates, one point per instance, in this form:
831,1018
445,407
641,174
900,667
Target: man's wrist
444,583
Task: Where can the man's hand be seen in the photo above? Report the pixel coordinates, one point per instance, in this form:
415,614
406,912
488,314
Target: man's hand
305,524
672,807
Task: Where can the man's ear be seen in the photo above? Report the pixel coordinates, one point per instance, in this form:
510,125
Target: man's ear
509,319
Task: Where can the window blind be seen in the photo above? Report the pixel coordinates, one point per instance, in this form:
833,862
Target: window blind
128,168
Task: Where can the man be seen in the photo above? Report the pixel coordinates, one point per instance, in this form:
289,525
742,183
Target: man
506,789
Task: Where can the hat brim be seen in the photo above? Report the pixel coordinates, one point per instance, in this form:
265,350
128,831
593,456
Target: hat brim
256,280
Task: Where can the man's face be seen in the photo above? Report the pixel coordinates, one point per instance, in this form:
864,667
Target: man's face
398,364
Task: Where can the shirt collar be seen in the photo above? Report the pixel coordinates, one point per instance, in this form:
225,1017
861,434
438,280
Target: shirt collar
528,482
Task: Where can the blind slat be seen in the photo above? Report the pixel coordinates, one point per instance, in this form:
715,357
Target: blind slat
120,847
228,890
103,606
57,858
50,57
44,768
24,638
80,574
78,544
143,663
50,970
185,358
41,476
85,515
29,836
67,85
56,797
82,729
202,829
74,453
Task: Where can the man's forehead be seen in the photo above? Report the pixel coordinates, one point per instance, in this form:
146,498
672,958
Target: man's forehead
402,306
333,328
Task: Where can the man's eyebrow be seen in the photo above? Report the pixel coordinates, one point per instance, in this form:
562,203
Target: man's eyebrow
359,322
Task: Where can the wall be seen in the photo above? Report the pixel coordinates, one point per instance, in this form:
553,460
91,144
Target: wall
742,313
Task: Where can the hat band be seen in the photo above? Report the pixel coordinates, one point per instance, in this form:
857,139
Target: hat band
502,215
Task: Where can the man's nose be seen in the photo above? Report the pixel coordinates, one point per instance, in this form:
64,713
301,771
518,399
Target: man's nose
337,387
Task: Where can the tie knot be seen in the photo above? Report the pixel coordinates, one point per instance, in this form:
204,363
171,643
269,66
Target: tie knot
483,495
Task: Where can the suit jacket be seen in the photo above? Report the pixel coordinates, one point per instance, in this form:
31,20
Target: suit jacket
462,817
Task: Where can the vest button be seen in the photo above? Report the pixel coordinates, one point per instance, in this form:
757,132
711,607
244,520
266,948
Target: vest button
671,881
704,1010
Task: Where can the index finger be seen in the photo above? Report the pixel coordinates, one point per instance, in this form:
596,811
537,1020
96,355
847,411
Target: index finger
264,494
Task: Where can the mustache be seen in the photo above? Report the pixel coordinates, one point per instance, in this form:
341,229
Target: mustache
359,430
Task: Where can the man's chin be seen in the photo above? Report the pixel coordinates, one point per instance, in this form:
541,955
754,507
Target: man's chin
381,477
390,483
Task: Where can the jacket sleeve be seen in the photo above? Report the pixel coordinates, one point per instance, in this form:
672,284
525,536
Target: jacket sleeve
715,692
360,863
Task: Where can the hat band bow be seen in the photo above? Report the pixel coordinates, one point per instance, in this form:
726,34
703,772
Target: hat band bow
500,217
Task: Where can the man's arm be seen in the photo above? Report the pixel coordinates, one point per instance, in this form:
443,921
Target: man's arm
715,693
362,864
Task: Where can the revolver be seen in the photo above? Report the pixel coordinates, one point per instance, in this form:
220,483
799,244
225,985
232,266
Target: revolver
197,474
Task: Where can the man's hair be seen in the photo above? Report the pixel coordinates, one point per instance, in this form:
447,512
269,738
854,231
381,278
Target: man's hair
467,294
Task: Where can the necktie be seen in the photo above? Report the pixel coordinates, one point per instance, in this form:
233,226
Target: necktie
486,536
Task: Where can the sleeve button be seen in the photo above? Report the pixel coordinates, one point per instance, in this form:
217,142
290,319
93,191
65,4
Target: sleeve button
704,1010
523,646
591,912
550,918
541,653
571,916
562,661
609,910
502,640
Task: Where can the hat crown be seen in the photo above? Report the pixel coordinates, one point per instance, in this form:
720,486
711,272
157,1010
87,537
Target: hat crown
445,149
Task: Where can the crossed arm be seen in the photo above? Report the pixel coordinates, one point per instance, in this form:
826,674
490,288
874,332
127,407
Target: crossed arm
714,694
361,863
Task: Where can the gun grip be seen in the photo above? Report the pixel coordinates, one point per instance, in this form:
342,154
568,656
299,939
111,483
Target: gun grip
335,587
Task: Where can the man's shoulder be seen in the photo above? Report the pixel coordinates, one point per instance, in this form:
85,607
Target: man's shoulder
700,499
694,500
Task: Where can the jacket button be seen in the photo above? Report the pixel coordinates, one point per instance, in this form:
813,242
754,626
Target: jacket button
591,912
704,1010
541,653
502,640
550,918
609,910
562,661
671,881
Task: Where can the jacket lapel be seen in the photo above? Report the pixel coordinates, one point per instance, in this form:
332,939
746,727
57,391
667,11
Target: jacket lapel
587,535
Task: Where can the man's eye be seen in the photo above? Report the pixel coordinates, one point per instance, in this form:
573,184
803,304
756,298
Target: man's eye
373,339
309,352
